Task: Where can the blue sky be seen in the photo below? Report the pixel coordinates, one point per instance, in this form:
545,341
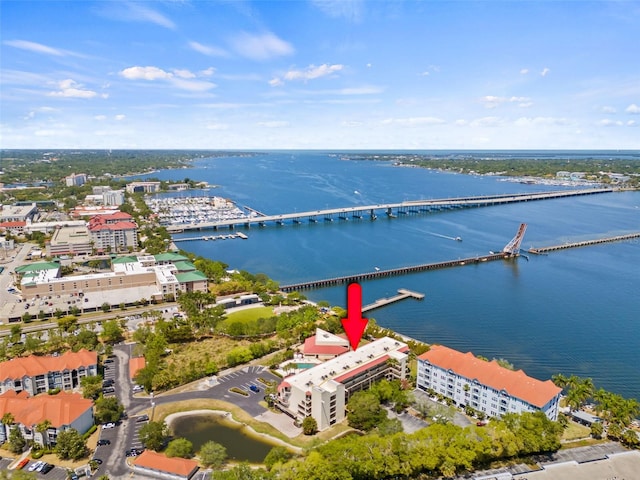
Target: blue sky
332,74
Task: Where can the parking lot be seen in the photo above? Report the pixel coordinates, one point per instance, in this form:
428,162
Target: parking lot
57,473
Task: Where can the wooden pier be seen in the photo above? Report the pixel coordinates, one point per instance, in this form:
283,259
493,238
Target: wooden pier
402,294
585,243
330,282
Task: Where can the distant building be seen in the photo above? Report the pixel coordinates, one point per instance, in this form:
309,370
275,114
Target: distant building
38,374
322,391
100,189
74,240
48,227
485,386
75,180
143,187
18,213
113,232
158,465
93,210
14,228
63,411
6,244
113,197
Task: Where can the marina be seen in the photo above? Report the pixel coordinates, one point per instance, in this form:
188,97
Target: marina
213,237
172,212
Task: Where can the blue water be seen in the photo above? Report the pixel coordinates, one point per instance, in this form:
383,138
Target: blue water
574,311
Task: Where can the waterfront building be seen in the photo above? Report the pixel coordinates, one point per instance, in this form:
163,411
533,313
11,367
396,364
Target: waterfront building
63,411
485,386
39,374
143,187
322,391
324,346
75,180
70,240
113,232
113,197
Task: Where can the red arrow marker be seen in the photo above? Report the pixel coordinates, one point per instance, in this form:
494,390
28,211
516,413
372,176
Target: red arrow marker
354,325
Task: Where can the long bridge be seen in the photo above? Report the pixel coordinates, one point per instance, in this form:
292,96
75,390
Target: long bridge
371,212
584,243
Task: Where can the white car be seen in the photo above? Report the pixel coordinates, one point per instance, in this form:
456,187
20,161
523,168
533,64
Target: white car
109,425
34,466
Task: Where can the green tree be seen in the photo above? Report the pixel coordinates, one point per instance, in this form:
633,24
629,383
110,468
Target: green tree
16,441
112,332
309,426
212,454
70,445
153,435
180,447
597,429
42,428
91,386
105,307
108,409
277,455
364,411
68,323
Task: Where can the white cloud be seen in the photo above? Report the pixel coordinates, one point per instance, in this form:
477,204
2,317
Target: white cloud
524,71
491,101
631,123
208,50
100,117
545,71
540,121
145,73
35,47
217,126
607,109
487,122
610,123
276,82
350,9
138,12
180,78
312,72
70,89
633,108
273,124
208,72
120,117
413,121
351,123
461,122
429,70
261,47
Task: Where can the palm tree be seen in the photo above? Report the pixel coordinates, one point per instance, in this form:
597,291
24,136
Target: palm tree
42,428
7,420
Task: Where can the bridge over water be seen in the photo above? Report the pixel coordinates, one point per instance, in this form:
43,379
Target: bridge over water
411,207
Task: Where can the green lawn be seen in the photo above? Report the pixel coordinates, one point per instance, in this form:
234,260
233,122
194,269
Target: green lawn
249,314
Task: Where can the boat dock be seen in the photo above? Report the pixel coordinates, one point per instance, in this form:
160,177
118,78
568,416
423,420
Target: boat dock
330,282
402,294
585,243
212,237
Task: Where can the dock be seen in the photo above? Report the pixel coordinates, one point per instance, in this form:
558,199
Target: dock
402,294
585,243
212,237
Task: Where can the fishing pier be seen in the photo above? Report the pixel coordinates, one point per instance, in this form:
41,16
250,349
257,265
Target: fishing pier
402,294
585,243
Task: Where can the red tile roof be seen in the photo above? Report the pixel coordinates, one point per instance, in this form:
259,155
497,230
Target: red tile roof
311,347
361,369
94,227
13,224
61,409
158,462
135,365
515,383
35,365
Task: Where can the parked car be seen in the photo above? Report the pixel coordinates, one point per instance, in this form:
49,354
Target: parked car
109,425
22,464
142,418
138,388
254,389
34,466
104,442
109,390
47,468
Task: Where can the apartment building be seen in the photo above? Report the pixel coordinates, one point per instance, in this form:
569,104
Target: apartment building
323,391
39,374
113,232
485,386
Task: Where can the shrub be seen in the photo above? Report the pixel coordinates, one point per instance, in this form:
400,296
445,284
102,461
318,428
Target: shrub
239,391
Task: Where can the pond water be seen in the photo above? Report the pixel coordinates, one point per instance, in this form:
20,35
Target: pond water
199,428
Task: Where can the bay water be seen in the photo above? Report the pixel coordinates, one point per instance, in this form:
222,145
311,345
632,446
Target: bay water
574,311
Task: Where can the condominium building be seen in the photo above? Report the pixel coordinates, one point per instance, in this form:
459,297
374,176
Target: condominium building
38,374
145,187
113,232
485,386
62,411
322,391
75,180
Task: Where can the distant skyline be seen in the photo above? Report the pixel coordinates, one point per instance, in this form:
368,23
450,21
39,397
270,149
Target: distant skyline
320,74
